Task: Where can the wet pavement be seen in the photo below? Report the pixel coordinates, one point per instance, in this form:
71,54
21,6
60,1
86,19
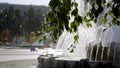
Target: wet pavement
15,57
29,63
10,54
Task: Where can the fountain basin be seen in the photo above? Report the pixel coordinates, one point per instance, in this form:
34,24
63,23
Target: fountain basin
56,58
64,62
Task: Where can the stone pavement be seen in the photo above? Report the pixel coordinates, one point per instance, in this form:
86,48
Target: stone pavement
29,63
15,57
10,54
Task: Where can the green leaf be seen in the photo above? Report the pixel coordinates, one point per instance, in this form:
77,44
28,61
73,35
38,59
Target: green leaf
68,48
44,37
105,19
68,17
116,11
111,14
118,23
88,13
95,20
109,4
72,51
67,27
87,0
76,37
40,40
74,12
104,1
89,25
78,19
74,46
55,33
75,28
70,30
86,20
113,21
76,4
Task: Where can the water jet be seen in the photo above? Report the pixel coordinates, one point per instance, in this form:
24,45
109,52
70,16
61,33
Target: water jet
98,44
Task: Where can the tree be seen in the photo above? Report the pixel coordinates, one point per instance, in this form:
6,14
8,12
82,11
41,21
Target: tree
10,20
29,19
32,19
62,10
14,21
19,22
38,19
1,20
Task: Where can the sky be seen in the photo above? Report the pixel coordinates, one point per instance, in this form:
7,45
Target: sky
27,2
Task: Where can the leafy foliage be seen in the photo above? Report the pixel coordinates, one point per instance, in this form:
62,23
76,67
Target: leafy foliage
59,17
61,12
98,6
76,37
10,19
71,49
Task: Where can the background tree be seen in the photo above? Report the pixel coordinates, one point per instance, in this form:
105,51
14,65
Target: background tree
38,20
21,23
15,21
1,20
10,20
29,19
32,18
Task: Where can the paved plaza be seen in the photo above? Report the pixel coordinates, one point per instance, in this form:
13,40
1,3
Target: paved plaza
15,57
27,63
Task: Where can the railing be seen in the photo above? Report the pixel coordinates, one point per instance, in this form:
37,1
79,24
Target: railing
99,53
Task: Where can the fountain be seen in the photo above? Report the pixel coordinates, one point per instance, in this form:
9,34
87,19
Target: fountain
100,43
